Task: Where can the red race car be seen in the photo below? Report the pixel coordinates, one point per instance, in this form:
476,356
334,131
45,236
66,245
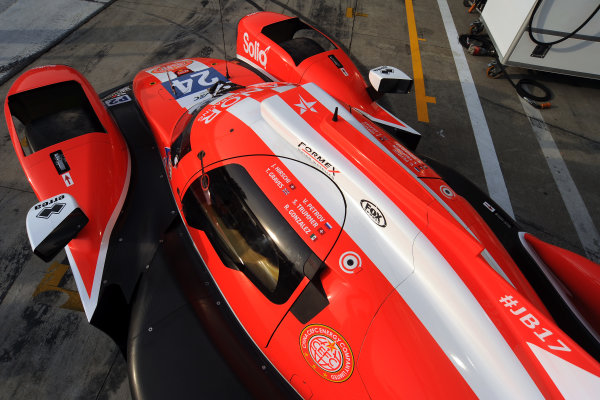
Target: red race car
262,228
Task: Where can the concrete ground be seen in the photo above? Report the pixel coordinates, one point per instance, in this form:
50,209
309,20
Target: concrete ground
47,349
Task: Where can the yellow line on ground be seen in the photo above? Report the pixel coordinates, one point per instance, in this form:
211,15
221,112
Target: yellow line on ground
419,81
350,13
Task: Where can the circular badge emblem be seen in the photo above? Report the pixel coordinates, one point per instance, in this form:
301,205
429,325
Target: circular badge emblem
349,262
446,191
327,352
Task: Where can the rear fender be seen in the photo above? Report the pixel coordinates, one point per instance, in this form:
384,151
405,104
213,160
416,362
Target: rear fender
569,316
261,52
286,49
67,143
580,276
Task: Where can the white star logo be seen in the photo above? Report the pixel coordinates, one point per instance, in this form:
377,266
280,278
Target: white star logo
304,105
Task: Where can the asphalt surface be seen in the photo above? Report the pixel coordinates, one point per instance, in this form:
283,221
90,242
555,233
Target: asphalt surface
47,349
30,27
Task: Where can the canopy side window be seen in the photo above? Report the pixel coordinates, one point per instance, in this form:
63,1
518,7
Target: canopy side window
247,231
181,145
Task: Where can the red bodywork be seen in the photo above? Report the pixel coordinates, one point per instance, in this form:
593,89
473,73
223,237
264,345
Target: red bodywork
372,312
98,177
580,275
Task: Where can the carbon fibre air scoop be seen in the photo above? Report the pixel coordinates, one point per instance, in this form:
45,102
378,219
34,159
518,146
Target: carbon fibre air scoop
53,223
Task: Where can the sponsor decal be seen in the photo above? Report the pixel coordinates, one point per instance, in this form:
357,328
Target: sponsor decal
318,159
67,179
48,202
305,105
489,206
350,262
335,61
400,152
182,71
446,191
269,84
546,336
55,208
120,92
373,130
171,67
60,162
384,69
49,207
344,72
254,51
117,100
327,352
210,112
373,212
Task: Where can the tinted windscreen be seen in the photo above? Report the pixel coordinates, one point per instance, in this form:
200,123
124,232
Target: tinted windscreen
246,230
182,131
299,40
53,114
182,145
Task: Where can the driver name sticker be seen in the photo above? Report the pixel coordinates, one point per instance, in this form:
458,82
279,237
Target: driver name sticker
327,352
299,208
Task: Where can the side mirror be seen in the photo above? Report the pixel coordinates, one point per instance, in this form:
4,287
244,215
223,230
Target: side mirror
387,79
53,223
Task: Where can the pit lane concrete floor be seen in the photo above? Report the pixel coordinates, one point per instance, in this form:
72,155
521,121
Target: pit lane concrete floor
47,349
